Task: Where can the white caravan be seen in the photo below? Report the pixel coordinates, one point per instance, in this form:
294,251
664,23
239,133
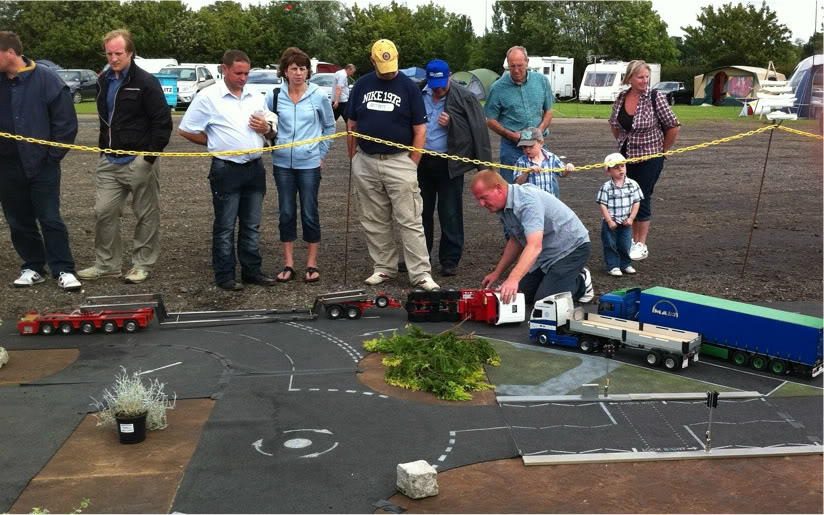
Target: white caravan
154,65
557,69
602,81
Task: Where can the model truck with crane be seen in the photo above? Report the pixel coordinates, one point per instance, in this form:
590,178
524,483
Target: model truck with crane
454,305
555,320
761,337
85,322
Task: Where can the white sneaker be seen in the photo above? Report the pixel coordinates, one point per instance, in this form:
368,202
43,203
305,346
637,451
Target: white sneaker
28,278
427,284
68,282
638,252
376,278
629,270
589,294
616,272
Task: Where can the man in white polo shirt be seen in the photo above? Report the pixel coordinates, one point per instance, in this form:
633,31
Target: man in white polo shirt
228,116
341,96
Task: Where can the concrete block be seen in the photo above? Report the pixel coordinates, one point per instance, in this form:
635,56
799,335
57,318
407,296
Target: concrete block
4,357
590,390
417,479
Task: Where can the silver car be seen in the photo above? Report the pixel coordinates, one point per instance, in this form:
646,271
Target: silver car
326,81
190,80
264,81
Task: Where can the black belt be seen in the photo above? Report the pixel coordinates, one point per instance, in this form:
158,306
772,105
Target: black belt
247,163
384,156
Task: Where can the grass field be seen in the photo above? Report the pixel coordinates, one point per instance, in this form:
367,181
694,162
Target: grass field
638,379
522,366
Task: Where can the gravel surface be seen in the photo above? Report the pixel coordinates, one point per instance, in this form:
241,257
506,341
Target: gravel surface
703,210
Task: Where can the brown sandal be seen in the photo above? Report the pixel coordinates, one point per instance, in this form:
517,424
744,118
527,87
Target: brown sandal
289,270
309,271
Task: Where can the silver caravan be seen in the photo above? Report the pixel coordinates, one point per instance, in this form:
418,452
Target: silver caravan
602,81
557,69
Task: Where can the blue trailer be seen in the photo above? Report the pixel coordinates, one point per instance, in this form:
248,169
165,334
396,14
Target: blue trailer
761,337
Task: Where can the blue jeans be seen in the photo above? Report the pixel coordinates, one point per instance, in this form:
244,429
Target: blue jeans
616,245
292,182
237,194
510,153
563,275
438,189
27,202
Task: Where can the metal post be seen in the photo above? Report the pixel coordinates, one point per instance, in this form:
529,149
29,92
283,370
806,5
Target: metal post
758,201
709,432
346,232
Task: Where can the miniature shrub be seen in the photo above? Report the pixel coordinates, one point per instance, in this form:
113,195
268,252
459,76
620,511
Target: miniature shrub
442,364
130,396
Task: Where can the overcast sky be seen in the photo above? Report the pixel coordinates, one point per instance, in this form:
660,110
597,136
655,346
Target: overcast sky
800,16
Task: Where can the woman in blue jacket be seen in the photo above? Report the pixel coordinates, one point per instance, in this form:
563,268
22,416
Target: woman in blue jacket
304,112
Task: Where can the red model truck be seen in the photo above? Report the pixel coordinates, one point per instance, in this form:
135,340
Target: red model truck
85,322
454,305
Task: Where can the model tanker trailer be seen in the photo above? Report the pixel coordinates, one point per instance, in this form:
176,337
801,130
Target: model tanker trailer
761,337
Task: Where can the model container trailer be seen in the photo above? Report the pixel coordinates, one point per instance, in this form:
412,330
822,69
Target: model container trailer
761,337
555,320
85,322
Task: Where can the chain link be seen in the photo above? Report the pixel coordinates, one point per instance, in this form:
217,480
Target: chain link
409,148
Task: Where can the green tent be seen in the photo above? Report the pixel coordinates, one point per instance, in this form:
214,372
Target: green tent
477,81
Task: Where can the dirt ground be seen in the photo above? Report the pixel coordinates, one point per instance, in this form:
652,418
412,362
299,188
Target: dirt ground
703,209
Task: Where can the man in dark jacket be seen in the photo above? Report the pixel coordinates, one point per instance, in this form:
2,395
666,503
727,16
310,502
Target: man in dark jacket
456,126
133,116
35,103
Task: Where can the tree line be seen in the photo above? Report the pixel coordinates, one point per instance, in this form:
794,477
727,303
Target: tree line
69,33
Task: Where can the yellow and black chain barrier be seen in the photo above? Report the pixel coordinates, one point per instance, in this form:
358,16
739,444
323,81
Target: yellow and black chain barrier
409,148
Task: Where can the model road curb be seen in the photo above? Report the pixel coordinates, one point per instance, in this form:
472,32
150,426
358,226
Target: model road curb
696,396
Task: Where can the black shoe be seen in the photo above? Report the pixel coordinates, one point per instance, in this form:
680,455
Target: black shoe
260,280
449,270
230,285
402,266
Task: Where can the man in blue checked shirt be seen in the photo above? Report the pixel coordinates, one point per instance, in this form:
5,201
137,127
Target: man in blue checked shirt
536,158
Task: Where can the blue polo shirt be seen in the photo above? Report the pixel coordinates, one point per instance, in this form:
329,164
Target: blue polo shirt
114,85
530,209
385,109
518,106
435,134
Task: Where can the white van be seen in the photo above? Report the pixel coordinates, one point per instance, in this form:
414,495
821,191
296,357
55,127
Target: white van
602,81
557,69
154,65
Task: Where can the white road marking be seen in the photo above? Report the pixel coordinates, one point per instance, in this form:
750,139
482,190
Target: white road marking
316,454
608,413
776,388
258,444
380,331
161,368
694,436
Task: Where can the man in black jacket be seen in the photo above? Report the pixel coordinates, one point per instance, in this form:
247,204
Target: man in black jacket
456,126
35,103
133,116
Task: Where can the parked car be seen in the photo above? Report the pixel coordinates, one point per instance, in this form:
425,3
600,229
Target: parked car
190,80
82,83
326,81
676,92
264,81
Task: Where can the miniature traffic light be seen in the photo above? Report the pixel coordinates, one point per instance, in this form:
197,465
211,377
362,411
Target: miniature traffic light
712,399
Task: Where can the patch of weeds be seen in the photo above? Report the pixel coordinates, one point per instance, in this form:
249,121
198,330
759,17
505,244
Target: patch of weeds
444,364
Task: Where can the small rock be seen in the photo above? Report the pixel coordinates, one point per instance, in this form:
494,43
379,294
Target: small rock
417,479
4,357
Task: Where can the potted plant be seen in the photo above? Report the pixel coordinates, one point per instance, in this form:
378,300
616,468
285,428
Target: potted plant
134,406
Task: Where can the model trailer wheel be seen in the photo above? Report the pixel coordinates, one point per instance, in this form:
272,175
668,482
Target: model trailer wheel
740,358
66,328
109,327
778,366
586,345
130,326
46,328
543,338
653,358
334,311
671,363
353,312
382,301
758,362
87,327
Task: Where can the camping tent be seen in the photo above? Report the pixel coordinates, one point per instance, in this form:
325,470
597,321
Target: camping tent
477,81
731,85
807,82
